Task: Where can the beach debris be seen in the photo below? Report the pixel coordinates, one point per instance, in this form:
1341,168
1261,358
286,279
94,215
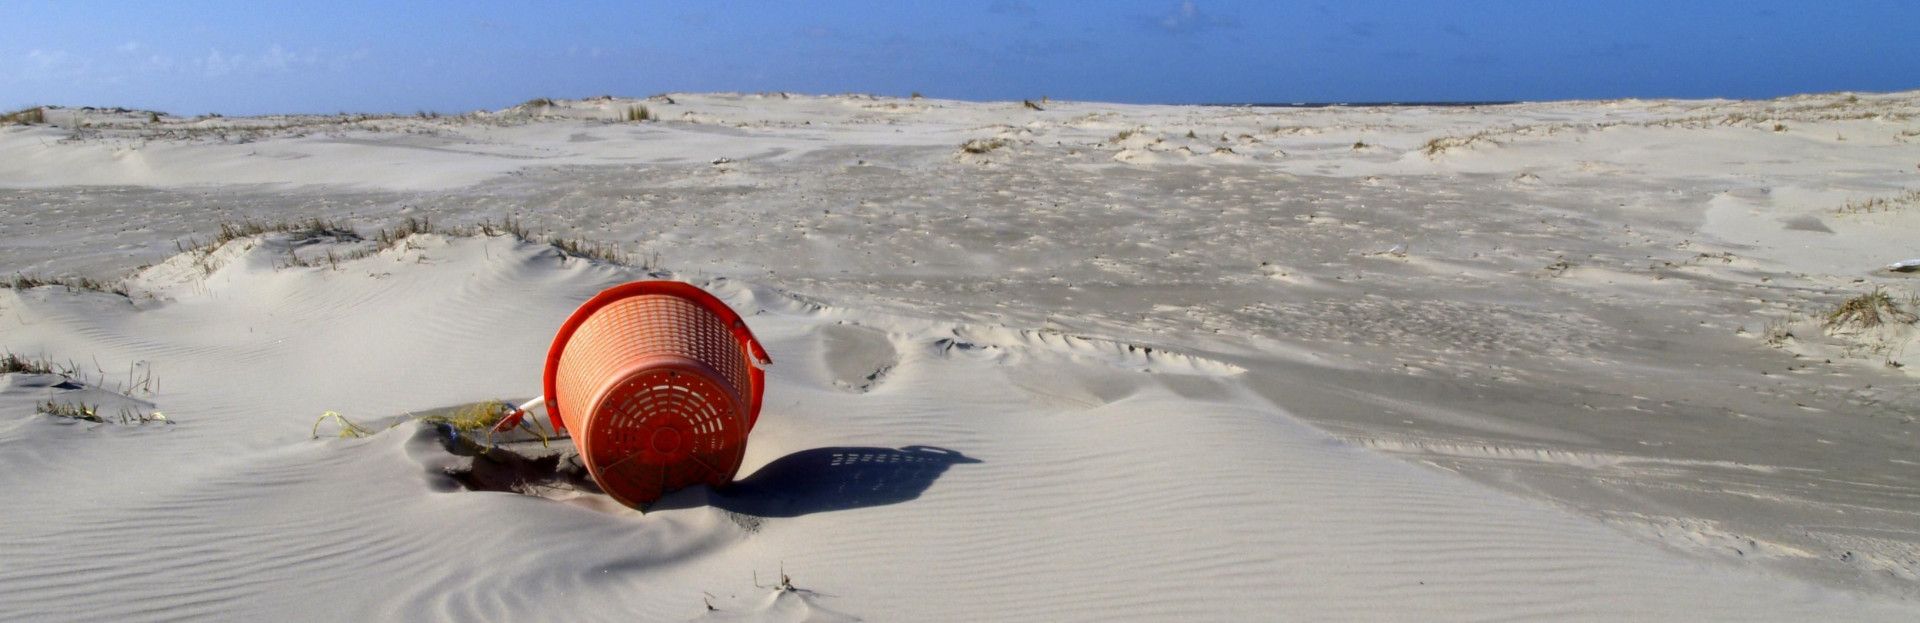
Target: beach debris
1905,266
673,381
348,429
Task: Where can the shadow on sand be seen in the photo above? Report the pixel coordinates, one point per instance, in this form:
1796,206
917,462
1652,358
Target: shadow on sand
830,479
809,481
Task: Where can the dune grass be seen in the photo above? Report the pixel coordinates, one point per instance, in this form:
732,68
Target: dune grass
1443,144
1870,205
638,114
386,238
25,116
71,410
72,284
982,145
1868,311
84,412
589,249
11,363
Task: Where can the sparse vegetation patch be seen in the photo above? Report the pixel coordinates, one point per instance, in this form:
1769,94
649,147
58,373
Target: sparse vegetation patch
26,116
91,413
982,145
12,363
1442,144
1867,311
1881,204
72,284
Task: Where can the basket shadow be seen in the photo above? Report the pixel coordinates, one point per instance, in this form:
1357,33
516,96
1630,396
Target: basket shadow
823,480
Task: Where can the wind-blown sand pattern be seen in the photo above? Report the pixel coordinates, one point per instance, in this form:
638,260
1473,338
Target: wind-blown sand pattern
1538,361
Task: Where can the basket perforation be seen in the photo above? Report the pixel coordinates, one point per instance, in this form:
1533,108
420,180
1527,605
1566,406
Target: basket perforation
657,390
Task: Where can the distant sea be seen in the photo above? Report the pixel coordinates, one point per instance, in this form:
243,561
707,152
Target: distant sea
1352,104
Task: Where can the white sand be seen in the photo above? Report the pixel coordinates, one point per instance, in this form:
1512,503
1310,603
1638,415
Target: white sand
1075,377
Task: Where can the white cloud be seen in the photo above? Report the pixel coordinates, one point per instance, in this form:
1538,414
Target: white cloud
1188,18
275,59
49,65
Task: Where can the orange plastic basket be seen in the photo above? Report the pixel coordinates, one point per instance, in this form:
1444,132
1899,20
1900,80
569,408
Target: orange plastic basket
659,383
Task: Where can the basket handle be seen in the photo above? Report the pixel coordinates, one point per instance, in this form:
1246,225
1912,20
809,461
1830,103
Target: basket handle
519,413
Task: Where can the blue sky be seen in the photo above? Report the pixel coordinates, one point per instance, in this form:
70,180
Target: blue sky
247,57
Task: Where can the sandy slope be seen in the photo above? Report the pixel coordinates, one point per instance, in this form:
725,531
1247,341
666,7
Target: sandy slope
1079,376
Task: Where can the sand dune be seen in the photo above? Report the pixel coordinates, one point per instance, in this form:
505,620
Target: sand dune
1499,376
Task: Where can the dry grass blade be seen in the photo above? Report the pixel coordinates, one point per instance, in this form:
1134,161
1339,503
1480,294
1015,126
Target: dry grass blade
348,429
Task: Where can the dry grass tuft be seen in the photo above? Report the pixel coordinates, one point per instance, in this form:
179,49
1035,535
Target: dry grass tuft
14,363
589,249
1867,311
388,238
25,116
1777,332
1443,144
307,229
91,413
639,113
981,145
72,284
310,229
71,410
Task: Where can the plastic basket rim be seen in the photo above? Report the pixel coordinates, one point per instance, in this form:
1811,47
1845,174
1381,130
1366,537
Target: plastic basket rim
550,376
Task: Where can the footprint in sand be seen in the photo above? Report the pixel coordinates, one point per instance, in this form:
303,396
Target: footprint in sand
857,357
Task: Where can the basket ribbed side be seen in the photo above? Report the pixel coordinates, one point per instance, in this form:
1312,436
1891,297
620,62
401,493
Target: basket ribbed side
655,389
633,328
